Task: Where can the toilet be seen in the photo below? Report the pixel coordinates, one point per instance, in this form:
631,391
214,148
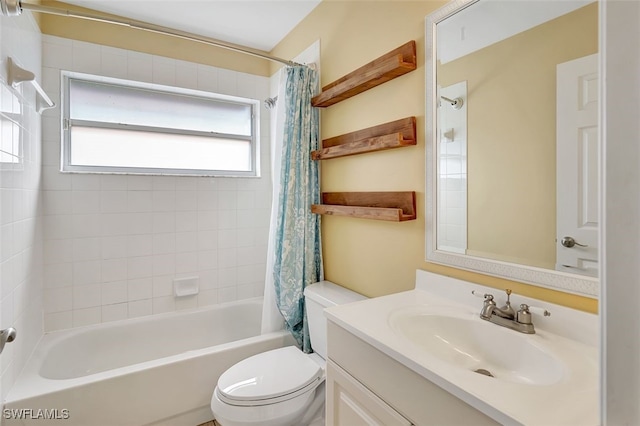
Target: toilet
283,386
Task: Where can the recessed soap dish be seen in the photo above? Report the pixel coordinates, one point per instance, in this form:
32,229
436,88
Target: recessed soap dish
185,286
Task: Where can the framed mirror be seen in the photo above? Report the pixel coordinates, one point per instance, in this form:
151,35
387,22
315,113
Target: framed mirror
512,140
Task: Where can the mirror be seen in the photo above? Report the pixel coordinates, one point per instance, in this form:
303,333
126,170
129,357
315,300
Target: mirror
512,140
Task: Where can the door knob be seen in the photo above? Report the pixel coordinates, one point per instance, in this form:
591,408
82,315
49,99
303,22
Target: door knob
569,242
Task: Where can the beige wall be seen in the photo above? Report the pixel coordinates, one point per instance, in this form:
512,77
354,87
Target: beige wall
512,125
146,42
375,257
371,257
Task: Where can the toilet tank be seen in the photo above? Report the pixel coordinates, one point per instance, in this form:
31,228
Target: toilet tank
319,296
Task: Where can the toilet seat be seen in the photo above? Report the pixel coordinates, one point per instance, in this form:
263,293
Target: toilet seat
269,377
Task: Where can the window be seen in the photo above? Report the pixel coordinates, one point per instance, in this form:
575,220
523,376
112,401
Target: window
119,126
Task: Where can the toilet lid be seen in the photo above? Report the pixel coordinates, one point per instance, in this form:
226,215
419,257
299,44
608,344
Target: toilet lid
269,375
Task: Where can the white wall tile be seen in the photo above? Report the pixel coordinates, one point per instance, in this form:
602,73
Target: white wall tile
186,262
164,243
113,270
58,320
208,297
114,243
86,296
114,292
113,182
186,75
57,53
164,71
113,246
139,66
87,316
140,289
87,249
85,182
207,78
207,240
140,308
58,299
114,63
114,312
163,286
163,304
58,275
139,245
86,57
139,267
186,242
186,302
113,201
164,264
87,272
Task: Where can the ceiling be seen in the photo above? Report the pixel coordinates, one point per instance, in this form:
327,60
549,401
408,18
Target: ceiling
258,24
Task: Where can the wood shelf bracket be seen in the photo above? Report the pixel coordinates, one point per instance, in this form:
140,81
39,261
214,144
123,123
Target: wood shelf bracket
389,206
395,134
387,67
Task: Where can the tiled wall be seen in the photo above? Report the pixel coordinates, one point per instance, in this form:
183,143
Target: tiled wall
114,243
20,200
452,151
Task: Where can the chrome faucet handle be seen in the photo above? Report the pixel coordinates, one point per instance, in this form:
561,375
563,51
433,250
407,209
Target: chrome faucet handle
486,296
536,310
488,306
523,316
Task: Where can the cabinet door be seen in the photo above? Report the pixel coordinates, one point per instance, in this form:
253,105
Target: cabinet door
349,403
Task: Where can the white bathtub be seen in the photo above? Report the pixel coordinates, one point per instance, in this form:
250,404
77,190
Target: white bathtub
155,370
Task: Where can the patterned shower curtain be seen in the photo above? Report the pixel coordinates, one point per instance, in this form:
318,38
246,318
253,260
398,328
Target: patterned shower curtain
298,254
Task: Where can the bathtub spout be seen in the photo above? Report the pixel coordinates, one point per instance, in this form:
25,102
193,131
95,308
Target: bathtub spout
7,335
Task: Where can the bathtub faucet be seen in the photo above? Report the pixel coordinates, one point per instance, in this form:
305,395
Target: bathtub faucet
7,335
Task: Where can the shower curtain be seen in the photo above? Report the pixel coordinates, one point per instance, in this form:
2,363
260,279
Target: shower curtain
294,254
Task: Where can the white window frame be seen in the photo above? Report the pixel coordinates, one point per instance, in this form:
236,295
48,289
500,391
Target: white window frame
67,123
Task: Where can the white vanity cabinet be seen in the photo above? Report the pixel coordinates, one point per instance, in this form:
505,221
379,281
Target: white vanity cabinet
367,387
350,403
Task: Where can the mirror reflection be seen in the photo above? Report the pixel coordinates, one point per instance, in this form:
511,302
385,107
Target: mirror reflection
517,130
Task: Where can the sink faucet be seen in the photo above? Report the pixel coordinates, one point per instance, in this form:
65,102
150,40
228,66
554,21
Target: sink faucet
506,316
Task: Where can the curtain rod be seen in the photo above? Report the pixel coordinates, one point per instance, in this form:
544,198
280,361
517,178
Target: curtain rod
15,7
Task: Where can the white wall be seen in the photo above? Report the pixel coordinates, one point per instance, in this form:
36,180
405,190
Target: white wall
620,297
113,243
20,199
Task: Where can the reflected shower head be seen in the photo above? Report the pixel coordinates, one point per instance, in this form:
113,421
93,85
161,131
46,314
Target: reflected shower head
10,7
455,103
271,102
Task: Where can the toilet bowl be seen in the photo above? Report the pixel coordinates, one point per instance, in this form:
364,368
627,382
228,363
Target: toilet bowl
282,387
277,388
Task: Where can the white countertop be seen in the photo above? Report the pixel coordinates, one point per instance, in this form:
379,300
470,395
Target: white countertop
573,400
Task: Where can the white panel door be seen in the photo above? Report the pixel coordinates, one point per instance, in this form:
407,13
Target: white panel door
577,166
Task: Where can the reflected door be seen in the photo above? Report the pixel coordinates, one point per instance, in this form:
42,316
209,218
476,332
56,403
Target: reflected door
577,166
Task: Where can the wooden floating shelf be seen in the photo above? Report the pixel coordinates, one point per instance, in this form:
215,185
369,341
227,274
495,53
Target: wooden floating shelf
387,67
390,206
395,134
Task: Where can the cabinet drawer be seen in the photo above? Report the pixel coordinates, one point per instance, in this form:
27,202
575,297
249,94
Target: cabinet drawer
349,403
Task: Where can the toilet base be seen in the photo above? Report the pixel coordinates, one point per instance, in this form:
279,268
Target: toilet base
304,410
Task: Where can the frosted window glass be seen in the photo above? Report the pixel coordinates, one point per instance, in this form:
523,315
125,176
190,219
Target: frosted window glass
118,126
94,101
136,149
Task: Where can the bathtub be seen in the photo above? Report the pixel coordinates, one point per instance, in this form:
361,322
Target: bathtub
157,370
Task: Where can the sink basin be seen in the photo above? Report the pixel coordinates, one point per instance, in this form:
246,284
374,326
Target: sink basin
467,342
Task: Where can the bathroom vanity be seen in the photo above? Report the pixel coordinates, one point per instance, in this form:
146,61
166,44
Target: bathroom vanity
425,357
366,386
